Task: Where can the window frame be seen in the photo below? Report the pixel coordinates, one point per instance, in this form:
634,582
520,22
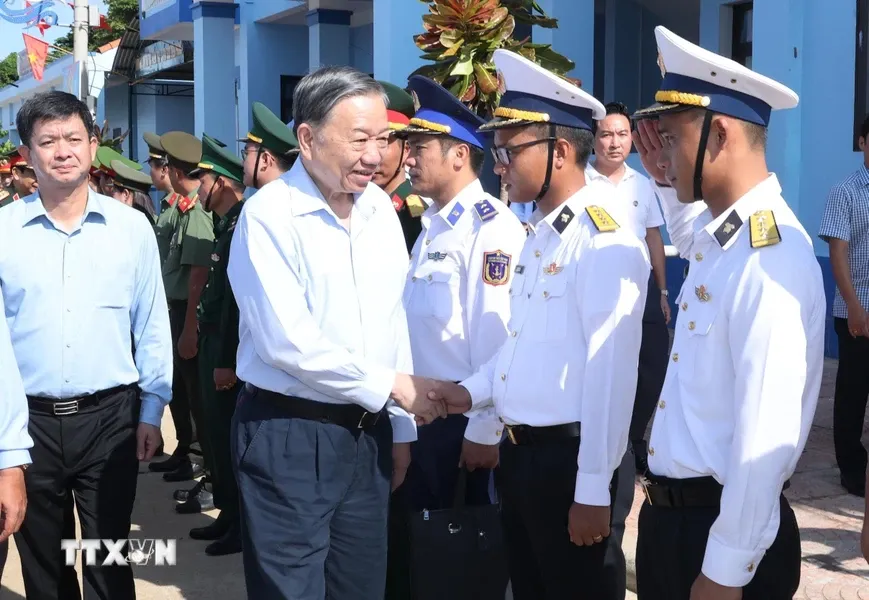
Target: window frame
741,51
861,66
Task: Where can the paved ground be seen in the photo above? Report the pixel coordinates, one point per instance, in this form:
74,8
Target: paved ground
829,521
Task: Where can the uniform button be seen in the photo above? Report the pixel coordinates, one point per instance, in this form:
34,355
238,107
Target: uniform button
427,242
498,432
750,568
537,253
662,405
429,277
66,380
691,326
510,291
698,257
684,306
503,377
676,357
69,310
515,333
651,452
546,294
413,278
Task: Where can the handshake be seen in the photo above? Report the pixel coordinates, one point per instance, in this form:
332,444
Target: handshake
429,399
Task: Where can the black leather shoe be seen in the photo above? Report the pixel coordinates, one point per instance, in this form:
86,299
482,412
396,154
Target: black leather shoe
170,464
214,530
854,486
230,543
196,449
186,472
184,495
201,502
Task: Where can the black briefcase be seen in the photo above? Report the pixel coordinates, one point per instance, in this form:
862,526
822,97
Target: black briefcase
458,553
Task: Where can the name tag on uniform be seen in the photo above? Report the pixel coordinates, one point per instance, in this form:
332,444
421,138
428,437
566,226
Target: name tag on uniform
437,256
520,269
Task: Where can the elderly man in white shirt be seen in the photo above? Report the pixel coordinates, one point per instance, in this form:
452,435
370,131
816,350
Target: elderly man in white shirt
318,268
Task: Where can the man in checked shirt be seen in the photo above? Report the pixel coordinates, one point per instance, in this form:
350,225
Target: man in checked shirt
844,226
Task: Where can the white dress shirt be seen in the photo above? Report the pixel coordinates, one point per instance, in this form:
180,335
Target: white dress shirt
633,197
457,292
320,307
577,302
745,370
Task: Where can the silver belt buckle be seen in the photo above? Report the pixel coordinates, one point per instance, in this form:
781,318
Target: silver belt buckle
61,409
646,483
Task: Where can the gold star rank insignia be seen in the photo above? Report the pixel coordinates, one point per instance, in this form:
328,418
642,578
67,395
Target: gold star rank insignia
764,231
601,219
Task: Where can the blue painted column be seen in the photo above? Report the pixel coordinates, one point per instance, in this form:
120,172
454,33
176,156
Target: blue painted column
396,22
574,36
328,37
214,68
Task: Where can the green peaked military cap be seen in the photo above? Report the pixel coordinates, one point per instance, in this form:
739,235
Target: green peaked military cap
400,109
105,156
130,178
183,150
218,160
155,148
270,132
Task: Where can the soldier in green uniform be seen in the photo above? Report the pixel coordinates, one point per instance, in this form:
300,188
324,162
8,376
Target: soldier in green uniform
185,273
167,219
221,175
105,156
132,187
23,176
6,189
390,175
270,148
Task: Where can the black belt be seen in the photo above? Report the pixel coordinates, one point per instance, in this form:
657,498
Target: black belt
522,435
349,416
70,406
696,492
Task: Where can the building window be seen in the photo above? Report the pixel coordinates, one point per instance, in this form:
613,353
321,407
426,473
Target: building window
625,69
743,33
288,86
861,81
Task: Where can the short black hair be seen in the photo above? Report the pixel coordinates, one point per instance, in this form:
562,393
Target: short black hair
615,108
285,161
864,129
582,140
51,106
478,155
756,135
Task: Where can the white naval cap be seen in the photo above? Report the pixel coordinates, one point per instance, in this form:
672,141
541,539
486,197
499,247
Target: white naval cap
696,77
535,95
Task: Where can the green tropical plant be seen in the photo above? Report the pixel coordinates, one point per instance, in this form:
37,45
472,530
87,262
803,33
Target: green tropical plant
104,139
461,36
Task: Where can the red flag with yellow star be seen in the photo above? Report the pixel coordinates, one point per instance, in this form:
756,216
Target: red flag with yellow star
37,52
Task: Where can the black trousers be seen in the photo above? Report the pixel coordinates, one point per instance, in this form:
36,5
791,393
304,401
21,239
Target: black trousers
672,543
849,404
186,405
430,484
314,501
92,455
537,483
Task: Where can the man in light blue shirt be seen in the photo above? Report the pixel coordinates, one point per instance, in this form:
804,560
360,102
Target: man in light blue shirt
89,325
14,441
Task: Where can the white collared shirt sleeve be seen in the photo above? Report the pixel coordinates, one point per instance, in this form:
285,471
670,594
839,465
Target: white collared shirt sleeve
15,440
403,423
654,218
777,378
680,218
264,271
611,294
488,311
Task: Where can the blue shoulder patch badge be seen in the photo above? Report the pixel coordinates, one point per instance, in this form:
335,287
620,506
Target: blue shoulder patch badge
485,210
457,212
496,267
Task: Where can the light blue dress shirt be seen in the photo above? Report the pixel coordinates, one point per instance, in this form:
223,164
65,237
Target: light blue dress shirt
86,311
14,439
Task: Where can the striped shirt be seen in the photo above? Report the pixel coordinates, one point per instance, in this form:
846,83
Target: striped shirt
846,217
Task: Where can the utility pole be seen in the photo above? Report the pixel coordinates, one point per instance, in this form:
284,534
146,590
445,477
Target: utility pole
80,44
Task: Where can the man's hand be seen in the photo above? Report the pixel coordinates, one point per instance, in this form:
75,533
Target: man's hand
479,456
412,394
224,379
649,145
706,589
400,463
858,321
13,500
455,397
588,525
187,343
148,439
665,308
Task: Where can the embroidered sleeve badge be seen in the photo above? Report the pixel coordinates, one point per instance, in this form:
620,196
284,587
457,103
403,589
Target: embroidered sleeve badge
496,267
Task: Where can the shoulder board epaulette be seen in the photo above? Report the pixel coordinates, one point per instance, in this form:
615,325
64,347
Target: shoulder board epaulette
485,210
16,197
764,231
186,203
3,194
601,219
415,205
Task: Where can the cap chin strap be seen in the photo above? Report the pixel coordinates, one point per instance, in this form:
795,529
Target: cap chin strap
551,155
701,155
259,153
400,163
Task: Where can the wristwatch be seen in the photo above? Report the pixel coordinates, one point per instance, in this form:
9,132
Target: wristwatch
665,293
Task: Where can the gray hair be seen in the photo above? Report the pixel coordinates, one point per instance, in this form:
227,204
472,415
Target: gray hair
318,93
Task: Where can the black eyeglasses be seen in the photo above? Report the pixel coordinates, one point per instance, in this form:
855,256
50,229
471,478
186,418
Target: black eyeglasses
504,154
